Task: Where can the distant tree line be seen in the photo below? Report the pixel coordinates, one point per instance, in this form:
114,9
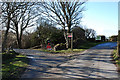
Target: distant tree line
44,32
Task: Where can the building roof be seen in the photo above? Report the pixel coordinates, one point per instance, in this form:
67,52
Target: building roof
114,35
100,35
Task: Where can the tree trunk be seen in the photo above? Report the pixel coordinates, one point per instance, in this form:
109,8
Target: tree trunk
118,49
69,29
65,35
19,41
5,35
118,44
69,39
18,36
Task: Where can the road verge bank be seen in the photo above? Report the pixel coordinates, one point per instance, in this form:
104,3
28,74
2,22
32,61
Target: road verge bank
116,59
13,64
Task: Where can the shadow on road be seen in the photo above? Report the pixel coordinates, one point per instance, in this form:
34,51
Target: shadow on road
92,63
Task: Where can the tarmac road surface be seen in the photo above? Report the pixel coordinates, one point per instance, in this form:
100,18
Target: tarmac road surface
92,63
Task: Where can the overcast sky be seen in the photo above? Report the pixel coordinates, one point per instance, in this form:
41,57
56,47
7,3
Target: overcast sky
102,17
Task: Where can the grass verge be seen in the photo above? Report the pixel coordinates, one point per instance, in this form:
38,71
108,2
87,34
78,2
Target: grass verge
116,59
62,51
82,47
13,65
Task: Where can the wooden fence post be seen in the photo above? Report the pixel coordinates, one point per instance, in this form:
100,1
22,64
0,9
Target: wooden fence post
71,41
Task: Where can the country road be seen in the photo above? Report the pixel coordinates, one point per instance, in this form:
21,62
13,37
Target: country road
92,63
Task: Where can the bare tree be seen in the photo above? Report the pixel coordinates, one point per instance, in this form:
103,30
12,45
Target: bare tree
65,14
23,19
90,33
93,34
17,16
7,11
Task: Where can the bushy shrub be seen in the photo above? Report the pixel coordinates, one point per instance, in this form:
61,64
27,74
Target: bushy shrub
60,46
